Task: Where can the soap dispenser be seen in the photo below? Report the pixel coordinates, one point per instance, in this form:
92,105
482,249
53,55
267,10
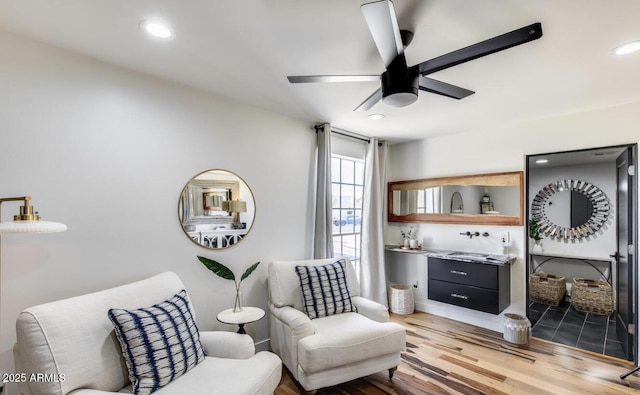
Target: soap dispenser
505,247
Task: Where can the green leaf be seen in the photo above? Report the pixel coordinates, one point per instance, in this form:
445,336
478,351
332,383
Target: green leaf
250,270
218,268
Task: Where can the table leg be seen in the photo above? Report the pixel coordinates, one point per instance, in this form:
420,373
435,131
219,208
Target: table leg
241,329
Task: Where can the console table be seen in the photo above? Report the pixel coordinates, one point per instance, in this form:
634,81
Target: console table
544,258
218,238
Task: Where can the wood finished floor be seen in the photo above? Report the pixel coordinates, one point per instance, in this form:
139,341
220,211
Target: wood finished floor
449,357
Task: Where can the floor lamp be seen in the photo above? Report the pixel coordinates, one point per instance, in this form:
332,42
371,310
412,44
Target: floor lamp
28,221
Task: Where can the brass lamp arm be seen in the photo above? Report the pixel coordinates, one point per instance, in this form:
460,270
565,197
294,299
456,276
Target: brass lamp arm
13,199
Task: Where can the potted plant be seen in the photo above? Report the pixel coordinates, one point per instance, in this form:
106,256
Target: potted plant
222,271
534,232
406,236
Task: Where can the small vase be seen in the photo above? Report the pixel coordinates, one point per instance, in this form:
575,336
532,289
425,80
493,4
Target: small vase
537,247
237,307
405,242
413,243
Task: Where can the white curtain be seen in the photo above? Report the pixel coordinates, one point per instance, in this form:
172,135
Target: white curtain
373,282
322,233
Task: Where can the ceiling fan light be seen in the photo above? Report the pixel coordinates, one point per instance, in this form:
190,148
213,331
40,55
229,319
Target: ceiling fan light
400,99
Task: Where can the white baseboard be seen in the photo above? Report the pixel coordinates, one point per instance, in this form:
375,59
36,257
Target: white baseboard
263,345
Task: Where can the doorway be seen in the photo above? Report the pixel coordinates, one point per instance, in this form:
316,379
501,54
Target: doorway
584,205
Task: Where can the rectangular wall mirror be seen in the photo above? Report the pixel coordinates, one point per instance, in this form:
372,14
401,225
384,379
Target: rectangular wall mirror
482,199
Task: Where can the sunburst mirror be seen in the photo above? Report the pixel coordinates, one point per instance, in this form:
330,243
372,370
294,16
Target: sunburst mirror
570,209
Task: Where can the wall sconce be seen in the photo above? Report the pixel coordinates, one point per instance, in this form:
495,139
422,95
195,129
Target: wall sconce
235,206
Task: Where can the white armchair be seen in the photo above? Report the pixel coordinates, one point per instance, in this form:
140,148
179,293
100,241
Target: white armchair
333,349
71,343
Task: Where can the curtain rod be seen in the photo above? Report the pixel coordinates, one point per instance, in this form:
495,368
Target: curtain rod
343,132
349,134
346,133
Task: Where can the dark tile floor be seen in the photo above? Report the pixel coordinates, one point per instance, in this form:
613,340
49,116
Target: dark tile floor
565,325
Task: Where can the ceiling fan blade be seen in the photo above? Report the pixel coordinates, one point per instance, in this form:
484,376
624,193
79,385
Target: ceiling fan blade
487,47
297,79
370,101
443,88
383,24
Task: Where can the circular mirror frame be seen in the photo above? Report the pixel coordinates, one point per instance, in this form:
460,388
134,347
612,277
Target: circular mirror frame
182,211
599,214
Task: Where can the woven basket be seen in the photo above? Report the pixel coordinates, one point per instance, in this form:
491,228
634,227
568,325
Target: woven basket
592,296
547,288
400,299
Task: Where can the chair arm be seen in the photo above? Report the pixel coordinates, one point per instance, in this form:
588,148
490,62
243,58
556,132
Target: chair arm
297,321
370,309
227,344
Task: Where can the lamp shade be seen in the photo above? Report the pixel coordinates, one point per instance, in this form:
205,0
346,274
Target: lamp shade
31,227
237,206
234,206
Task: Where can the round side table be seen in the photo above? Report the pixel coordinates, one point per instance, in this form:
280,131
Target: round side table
240,318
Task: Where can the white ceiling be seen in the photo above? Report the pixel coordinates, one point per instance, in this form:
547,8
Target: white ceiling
576,158
245,49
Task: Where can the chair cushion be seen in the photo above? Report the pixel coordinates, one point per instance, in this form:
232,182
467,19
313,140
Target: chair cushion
159,343
347,338
324,289
258,375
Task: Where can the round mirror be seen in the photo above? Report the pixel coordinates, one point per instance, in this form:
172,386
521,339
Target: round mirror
570,209
216,209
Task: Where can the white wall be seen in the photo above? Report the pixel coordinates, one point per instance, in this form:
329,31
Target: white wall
488,150
107,151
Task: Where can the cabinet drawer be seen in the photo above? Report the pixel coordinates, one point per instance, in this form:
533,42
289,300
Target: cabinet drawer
476,274
465,296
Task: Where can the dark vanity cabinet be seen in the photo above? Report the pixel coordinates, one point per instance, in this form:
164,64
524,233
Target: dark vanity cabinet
475,285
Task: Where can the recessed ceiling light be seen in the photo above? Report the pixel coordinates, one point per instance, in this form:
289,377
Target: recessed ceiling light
376,117
542,161
156,29
627,48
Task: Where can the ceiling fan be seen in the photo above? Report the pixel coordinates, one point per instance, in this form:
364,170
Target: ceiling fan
400,83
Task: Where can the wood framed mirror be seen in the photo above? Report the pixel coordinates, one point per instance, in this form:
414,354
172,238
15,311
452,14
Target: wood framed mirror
430,199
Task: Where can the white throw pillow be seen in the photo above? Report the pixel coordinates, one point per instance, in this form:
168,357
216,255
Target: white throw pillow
159,343
324,289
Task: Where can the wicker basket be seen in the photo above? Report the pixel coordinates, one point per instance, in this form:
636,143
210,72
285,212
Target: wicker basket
400,299
592,296
547,288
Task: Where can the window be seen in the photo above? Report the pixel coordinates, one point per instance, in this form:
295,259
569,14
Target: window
428,201
347,184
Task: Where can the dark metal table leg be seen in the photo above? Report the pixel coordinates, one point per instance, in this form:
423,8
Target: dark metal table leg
629,373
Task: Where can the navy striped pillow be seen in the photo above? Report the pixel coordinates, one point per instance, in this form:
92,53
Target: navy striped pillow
159,343
324,289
